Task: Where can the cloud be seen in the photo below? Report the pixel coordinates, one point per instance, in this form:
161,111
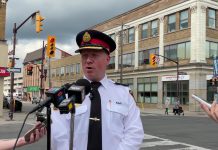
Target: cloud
63,18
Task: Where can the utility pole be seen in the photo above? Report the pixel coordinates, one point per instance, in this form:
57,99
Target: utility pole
42,75
15,29
177,73
121,54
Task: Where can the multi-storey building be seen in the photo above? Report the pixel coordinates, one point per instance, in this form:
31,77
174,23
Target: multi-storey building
184,31
4,49
33,83
18,85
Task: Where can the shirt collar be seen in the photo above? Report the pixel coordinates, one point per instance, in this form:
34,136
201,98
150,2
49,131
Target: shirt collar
103,81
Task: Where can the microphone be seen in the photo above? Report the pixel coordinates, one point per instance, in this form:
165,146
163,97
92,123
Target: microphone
55,95
76,94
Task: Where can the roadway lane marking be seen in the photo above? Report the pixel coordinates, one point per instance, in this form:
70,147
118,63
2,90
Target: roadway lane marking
166,142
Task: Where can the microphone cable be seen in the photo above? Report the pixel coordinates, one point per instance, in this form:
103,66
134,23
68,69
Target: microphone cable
20,131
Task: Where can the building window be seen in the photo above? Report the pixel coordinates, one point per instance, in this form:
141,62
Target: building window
144,30
62,71
181,50
67,69
128,60
154,28
77,68
211,49
125,39
53,71
147,90
172,23
112,36
131,35
170,91
58,71
112,63
212,18
72,68
144,55
184,19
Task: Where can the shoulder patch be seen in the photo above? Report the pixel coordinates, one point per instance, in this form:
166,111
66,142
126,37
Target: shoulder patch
126,85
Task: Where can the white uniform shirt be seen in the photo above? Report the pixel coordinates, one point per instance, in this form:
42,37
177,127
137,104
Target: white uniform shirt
121,124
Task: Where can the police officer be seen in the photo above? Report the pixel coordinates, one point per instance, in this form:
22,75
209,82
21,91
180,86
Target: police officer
108,118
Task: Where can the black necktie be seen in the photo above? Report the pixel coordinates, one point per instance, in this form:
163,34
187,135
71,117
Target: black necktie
95,130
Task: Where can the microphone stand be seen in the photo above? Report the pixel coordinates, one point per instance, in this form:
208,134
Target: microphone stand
72,126
48,126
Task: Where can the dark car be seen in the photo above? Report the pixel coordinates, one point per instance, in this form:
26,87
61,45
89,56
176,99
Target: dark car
18,104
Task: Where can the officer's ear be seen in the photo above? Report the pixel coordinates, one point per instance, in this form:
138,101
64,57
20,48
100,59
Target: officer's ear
108,58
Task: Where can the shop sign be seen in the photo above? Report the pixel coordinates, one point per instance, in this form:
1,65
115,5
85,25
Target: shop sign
174,77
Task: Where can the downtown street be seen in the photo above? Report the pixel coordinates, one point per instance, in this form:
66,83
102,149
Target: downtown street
194,131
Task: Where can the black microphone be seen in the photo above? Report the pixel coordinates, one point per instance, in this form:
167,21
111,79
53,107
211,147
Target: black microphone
54,95
76,94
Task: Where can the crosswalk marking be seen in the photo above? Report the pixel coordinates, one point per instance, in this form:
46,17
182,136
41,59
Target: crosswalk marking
166,142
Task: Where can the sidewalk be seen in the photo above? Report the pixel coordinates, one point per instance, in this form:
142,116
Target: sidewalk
162,112
18,117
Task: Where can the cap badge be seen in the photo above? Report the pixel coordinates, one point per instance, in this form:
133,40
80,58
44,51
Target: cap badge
86,37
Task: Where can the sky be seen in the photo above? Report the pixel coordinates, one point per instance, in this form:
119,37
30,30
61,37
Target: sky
63,18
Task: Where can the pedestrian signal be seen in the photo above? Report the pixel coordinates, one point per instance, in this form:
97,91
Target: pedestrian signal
29,70
50,50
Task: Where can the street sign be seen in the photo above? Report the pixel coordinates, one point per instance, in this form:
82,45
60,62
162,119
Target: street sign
15,70
4,72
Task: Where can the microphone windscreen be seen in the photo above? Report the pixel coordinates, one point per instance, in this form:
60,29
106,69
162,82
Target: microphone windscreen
86,83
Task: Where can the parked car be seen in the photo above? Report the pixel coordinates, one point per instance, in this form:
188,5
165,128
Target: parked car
35,100
6,104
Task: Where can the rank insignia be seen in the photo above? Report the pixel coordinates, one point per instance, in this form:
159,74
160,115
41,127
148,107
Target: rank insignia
86,37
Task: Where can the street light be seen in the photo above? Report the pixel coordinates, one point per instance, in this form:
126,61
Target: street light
15,29
121,51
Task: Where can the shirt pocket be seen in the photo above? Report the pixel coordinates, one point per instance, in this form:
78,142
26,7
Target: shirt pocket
117,114
80,122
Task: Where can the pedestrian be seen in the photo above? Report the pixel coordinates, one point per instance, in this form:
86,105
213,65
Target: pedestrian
167,103
211,112
108,118
8,144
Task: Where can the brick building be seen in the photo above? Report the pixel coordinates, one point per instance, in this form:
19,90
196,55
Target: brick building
183,29
32,83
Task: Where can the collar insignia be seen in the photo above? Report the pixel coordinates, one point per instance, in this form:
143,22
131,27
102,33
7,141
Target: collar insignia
86,37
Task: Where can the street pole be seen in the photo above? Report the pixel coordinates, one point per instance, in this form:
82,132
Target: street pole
121,54
15,29
49,72
12,75
177,78
42,71
177,73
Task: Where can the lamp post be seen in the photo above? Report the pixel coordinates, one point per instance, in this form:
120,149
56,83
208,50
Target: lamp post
121,51
15,29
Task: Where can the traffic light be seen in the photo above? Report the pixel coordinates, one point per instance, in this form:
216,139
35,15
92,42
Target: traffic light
50,51
214,81
39,24
29,70
152,60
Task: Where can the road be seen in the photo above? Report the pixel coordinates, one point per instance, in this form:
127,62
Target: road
161,132
179,132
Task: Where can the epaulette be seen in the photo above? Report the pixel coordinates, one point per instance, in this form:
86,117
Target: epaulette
121,84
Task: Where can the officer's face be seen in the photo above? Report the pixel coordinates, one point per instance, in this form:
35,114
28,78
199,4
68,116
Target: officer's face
94,63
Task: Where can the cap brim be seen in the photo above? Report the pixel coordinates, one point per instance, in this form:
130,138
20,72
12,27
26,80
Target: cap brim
90,47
